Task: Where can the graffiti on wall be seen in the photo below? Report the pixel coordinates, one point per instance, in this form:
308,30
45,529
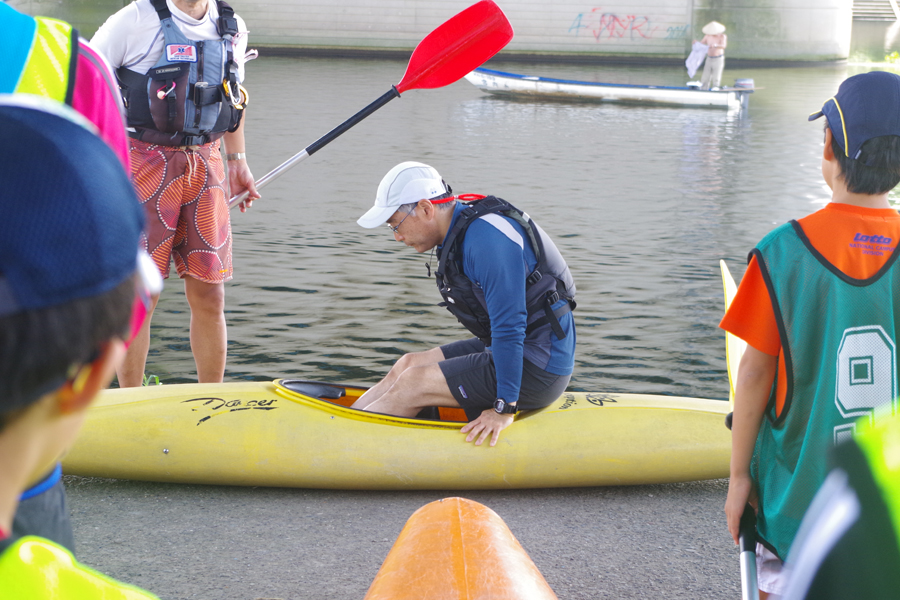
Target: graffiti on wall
677,32
604,25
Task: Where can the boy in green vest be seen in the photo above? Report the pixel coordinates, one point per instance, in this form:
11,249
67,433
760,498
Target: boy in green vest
818,309
68,262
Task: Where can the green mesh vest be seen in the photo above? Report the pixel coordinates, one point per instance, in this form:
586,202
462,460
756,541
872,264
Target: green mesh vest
838,337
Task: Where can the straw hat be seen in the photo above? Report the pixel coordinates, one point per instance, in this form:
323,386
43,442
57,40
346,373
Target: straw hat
713,28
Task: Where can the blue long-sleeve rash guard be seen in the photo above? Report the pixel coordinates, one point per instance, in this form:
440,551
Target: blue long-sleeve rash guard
498,258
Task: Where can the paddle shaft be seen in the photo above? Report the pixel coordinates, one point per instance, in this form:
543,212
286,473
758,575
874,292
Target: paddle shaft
318,144
749,582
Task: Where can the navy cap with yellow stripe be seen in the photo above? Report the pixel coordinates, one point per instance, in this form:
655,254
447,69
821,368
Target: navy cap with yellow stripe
866,106
71,222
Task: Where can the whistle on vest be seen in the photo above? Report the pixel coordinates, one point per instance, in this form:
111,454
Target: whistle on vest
165,90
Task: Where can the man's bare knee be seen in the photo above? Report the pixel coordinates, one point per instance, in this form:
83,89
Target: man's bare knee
206,297
411,360
402,364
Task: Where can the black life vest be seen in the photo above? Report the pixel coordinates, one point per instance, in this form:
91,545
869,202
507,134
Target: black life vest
191,96
549,282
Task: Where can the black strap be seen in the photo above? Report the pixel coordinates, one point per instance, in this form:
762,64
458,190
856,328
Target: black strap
552,316
473,211
74,51
166,139
172,106
227,28
553,319
130,79
162,9
227,23
533,278
203,95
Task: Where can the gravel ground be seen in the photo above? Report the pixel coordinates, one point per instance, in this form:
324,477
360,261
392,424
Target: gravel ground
224,543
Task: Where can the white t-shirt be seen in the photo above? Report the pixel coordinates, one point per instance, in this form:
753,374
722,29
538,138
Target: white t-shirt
133,37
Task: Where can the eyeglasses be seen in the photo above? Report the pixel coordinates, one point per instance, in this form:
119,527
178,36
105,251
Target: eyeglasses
394,229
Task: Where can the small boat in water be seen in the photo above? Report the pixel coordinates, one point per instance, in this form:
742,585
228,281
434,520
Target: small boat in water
291,433
532,87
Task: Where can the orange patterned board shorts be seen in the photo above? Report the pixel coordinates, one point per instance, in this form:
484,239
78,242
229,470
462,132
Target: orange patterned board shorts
183,194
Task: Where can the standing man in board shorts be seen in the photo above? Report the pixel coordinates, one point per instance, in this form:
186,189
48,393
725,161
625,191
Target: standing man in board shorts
180,64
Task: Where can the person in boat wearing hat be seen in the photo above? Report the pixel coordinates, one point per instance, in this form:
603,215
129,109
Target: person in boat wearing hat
818,308
715,40
504,279
69,271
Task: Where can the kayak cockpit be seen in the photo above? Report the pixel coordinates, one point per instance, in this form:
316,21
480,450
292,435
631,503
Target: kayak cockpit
346,395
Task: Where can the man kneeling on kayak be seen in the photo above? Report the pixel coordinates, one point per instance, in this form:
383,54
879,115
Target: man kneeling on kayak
505,281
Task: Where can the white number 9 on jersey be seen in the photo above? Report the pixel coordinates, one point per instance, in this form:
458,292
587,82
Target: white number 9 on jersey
866,377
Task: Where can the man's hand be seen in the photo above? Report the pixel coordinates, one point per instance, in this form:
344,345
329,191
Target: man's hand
489,423
240,179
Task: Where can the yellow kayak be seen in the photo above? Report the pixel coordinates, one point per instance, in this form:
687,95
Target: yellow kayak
291,433
734,346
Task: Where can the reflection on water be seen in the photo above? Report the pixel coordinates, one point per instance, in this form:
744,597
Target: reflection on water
642,202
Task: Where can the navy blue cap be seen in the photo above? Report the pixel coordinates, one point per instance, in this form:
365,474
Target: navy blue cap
866,106
70,222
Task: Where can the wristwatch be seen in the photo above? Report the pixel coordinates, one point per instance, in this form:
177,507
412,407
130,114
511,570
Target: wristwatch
502,407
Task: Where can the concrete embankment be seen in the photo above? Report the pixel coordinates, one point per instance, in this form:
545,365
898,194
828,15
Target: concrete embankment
646,30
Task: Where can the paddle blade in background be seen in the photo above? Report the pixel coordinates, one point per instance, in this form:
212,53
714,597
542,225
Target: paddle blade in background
734,346
458,46
462,43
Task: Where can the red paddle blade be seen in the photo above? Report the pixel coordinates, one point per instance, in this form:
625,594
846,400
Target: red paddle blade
459,45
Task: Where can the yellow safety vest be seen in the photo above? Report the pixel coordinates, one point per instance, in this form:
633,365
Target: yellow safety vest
881,446
49,59
33,568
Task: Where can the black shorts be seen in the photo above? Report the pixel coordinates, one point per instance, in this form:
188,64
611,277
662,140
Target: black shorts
469,370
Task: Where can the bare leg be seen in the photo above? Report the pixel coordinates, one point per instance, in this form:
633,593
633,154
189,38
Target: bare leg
415,388
407,361
209,337
131,371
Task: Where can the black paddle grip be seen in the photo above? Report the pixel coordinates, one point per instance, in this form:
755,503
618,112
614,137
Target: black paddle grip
748,529
337,131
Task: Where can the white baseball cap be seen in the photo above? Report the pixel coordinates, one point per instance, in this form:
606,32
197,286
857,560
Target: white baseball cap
406,183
